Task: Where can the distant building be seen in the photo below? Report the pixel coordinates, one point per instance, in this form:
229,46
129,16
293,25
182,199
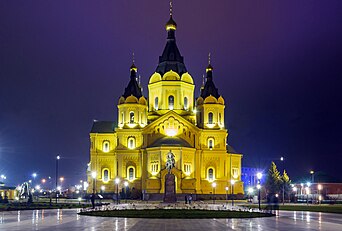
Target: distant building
135,148
7,191
249,177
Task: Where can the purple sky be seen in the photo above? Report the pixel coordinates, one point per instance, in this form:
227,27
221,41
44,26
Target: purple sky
65,63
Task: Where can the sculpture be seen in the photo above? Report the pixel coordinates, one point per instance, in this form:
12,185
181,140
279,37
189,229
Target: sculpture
170,162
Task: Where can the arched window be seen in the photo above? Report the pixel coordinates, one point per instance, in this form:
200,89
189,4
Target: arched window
131,142
186,106
210,174
171,102
131,173
131,117
220,118
105,146
105,175
210,118
156,103
211,143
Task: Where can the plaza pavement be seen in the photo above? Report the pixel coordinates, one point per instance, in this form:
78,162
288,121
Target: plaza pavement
68,219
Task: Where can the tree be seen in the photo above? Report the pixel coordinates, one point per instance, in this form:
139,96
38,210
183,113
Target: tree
287,183
274,180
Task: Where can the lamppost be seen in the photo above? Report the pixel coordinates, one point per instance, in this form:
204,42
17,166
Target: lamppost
232,182
282,160
227,194
250,192
57,159
319,187
93,175
126,186
312,172
307,191
294,189
214,186
259,176
117,181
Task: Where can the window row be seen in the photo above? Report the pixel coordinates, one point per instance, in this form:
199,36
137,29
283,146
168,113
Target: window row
131,144
171,103
131,117
130,174
211,118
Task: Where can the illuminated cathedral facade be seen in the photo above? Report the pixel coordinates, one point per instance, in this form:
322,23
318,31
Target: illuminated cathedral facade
133,150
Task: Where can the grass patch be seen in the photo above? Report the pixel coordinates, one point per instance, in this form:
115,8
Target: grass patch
311,208
174,214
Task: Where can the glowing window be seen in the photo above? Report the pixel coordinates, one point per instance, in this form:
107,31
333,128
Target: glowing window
156,103
186,103
131,142
105,146
131,173
154,167
210,174
187,168
210,118
105,176
235,172
171,102
131,117
210,143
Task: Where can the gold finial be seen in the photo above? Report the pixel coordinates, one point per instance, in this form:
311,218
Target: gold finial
171,8
209,68
133,67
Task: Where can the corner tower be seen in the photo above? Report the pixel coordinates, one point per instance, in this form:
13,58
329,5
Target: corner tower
132,105
210,104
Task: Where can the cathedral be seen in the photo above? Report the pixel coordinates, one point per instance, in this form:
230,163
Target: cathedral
132,152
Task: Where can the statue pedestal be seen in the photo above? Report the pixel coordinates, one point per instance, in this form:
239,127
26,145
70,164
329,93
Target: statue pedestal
170,189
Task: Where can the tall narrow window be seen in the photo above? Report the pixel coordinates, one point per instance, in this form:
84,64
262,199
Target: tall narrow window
186,106
210,118
105,176
131,173
171,102
210,143
131,117
122,118
220,118
156,103
105,146
210,174
131,142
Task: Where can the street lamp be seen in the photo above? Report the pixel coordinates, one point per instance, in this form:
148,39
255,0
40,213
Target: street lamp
232,182
227,188
312,172
117,181
93,175
319,187
250,191
282,160
214,186
57,159
126,185
259,176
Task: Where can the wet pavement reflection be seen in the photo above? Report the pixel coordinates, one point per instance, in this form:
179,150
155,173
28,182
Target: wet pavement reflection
59,219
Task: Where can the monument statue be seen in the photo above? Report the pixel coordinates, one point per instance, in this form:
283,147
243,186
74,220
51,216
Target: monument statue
170,162
170,183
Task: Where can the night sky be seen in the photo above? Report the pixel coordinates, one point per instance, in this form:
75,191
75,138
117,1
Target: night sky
65,63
